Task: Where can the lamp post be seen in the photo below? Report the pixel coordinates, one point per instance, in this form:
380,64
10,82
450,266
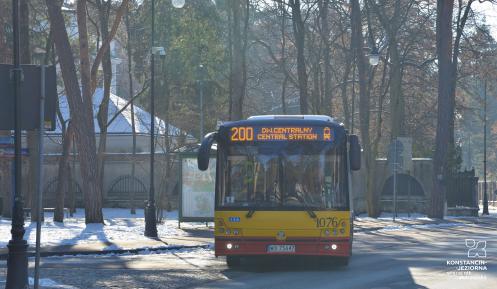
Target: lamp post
17,262
485,197
150,218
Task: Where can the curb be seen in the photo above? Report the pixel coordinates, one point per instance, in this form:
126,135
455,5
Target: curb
106,252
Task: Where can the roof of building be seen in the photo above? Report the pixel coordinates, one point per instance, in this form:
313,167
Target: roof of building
122,123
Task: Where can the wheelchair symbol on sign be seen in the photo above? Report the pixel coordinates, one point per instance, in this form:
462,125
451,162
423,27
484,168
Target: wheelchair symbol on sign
477,249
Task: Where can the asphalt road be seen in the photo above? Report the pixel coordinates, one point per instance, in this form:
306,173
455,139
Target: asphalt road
415,258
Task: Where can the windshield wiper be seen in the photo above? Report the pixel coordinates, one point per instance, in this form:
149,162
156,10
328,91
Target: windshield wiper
306,207
250,213
310,212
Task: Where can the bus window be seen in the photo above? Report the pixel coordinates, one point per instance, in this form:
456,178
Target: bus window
284,178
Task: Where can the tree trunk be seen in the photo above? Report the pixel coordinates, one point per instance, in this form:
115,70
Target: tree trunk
343,93
5,48
103,110
129,52
443,135
299,34
64,175
397,106
325,35
364,106
281,7
80,108
237,72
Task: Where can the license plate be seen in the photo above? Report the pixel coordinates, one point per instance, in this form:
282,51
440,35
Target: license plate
281,249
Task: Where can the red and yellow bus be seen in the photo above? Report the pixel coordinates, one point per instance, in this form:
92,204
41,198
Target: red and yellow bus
283,187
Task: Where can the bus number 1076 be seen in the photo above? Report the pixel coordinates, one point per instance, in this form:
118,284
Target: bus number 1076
242,133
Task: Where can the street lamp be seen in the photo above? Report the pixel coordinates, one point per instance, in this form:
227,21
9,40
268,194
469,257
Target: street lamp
178,3
150,218
17,262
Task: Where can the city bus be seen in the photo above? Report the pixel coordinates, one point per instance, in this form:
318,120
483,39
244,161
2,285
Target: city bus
283,187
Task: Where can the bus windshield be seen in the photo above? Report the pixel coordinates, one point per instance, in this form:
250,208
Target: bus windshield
283,177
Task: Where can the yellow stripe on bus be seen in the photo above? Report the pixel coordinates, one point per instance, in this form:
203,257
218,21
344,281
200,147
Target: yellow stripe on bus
293,224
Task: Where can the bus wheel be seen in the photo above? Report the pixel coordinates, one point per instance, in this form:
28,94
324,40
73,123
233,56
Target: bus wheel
233,261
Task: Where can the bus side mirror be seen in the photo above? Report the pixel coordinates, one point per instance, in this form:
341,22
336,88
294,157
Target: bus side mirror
354,153
204,152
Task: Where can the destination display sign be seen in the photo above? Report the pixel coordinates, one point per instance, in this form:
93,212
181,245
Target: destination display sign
280,133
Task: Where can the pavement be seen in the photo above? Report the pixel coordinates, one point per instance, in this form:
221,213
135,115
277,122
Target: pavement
204,237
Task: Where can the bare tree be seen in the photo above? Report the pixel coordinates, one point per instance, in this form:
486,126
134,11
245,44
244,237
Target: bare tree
80,101
238,79
299,35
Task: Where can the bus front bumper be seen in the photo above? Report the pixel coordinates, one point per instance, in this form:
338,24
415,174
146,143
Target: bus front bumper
330,247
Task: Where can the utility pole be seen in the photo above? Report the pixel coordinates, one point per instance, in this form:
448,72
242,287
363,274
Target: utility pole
17,262
150,219
485,197
395,160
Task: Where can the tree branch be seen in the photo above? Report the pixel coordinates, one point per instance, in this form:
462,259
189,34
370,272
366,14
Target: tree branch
106,44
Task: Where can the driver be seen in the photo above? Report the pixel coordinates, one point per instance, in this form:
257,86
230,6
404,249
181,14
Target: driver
292,198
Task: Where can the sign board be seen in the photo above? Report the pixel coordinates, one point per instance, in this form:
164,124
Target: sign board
281,133
30,97
197,190
400,152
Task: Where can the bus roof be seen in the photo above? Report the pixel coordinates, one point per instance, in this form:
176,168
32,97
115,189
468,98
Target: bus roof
319,120
297,116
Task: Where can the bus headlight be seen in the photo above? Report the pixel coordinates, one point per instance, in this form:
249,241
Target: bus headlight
229,246
334,246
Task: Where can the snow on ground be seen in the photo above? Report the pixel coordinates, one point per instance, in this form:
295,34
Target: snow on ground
187,253
120,225
385,216
492,210
388,216
45,282
423,226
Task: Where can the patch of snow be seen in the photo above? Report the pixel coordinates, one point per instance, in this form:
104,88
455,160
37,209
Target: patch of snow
385,216
424,226
49,283
491,209
120,225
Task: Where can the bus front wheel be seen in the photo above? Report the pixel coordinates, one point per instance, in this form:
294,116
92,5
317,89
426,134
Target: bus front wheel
233,261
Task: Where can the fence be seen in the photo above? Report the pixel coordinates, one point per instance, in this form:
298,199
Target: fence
491,190
461,190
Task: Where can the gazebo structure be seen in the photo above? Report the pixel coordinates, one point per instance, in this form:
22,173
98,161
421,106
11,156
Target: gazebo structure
126,175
